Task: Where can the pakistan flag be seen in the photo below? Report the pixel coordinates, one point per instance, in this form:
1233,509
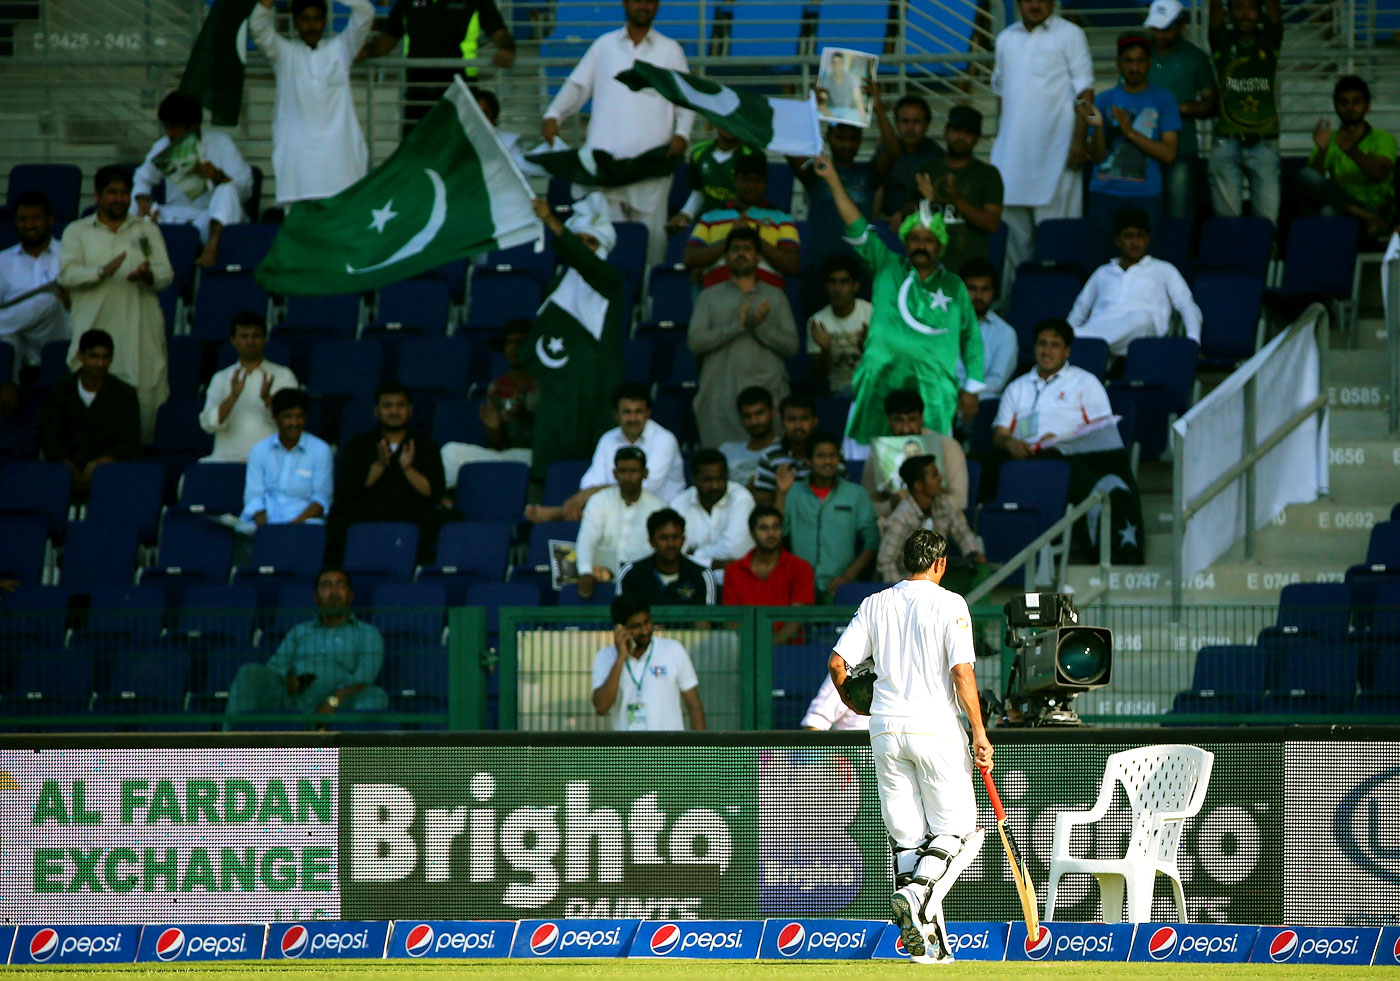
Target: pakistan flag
450,190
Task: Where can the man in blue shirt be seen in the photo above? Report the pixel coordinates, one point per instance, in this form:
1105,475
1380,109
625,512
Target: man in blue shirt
289,478
322,665
1134,133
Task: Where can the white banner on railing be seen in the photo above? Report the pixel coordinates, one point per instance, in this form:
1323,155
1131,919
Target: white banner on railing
1287,375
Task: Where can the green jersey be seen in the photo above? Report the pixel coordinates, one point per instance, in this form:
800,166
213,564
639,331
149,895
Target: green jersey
1247,69
713,176
1377,197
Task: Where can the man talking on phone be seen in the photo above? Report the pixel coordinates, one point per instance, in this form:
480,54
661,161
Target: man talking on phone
641,680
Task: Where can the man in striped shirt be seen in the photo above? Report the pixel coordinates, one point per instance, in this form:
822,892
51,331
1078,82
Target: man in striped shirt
779,253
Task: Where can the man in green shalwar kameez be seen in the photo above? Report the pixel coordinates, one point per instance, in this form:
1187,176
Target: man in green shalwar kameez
921,323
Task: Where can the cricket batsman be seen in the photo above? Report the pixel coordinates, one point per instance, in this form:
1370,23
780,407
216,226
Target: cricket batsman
919,637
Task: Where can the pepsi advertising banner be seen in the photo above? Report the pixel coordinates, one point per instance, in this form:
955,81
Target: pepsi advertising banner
1388,950
75,945
1071,942
163,943
326,939
451,938
573,938
1192,943
828,940
969,942
706,939
1315,945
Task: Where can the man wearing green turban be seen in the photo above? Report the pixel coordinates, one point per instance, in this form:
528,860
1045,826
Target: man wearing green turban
921,322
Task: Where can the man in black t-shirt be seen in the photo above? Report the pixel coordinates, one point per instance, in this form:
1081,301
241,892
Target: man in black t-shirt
666,577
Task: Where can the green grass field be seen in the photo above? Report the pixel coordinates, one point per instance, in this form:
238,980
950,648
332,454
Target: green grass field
625,970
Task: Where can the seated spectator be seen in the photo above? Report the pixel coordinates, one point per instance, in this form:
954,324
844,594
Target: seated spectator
826,236
90,417
1055,398
659,675
967,191
667,576
925,506
755,407
741,332
716,512
324,665
769,575
829,520
791,456
390,473
709,173
904,148
508,413
904,409
31,266
779,252
836,332
636,429
1000,349
237,403
289,479
1351,169
614,527
207,181
1134,295
828,712
1132,139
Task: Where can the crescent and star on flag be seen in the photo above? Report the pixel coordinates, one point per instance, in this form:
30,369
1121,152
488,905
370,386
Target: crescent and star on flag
437,218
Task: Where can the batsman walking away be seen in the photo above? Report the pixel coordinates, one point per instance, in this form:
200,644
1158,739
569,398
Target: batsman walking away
918,637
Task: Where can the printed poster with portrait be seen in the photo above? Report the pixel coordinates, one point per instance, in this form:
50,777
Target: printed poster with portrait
841,81
888,453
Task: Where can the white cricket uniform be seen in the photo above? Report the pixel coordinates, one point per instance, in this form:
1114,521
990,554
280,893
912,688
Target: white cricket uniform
827,711
915,632
649,690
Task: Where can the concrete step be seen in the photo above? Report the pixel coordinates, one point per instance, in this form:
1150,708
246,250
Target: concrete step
1228,583
1363,470
1352,424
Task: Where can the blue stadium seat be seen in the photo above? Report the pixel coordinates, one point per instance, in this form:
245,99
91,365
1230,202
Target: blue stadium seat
1313,679
147,680
40,488
416,678
675,410
630,254
130,492
1091,354
380,551
49,685
1171,242
284,552
1039,292
182,246
494,595
767,30
669,299
215,617
862,25
213,488
1226,679
414,306
779,193
61,183
498,296
1159,376
832,411
1320,259
492,491
1318,609
467,552
980,440
221,295
409,614
852,593
537,550
193,549
122,619
562,480
345,369
1383,548
98,552
1242,244
295,603
436,365
996,248
603,594
1230,303
1382,695
540,264
1063,241
637,360
1031,496
244,245
336,315
459,421
25,546
184,366
178,441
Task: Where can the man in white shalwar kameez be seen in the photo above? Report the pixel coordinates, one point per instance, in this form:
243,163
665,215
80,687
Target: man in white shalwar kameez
114,264
626,123
207,181
317,147
28,265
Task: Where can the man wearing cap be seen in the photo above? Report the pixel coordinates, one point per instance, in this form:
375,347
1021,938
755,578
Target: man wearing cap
969,191
1185,71
1132,136
1245,52
922,321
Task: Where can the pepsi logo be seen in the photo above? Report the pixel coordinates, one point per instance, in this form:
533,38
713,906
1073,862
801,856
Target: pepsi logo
170,943
1038,948
294,940
665,939
544,938
1396,950
1162,943
899,947
419,940
43,945
1283,946
791,938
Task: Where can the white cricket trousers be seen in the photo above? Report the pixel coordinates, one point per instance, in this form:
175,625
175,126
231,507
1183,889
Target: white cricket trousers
925,784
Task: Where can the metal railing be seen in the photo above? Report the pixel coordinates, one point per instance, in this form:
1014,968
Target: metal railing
1060,530
1390,288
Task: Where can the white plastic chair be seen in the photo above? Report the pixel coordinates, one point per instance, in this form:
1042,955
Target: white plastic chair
1165,786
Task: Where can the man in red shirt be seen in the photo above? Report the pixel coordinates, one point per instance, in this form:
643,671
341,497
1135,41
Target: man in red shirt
769,575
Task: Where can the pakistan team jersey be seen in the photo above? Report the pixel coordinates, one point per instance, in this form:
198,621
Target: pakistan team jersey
1248,72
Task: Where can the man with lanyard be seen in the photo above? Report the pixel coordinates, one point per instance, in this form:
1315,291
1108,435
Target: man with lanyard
642,680
921,324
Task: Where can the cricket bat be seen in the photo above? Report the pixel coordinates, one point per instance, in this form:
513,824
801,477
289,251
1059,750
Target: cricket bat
1020,872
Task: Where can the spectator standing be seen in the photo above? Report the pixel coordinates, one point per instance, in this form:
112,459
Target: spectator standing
709,174
642,680
290,477
29,264
741,332
829,520
968,191
1245,52
779,251
513,142
90,417
790,456
1185,71
769,575
925,506
716,514
237,403
326,665
317,147
755,405
1134,295
905,147
1000,348
614,527
626,123
836,333
115,264
667,576
206,180
904,415
1042,68
1351,168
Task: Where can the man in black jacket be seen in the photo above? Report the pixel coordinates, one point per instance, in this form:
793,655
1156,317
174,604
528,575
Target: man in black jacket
91,417
667,577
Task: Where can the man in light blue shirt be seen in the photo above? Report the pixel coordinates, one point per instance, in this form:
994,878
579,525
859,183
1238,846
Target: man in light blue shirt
1000,348
290,474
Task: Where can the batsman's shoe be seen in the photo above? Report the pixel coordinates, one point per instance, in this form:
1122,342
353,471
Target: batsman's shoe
936,950
902,906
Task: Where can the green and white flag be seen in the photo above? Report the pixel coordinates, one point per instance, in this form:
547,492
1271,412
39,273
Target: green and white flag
598,168
450,190
786,126
214,72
